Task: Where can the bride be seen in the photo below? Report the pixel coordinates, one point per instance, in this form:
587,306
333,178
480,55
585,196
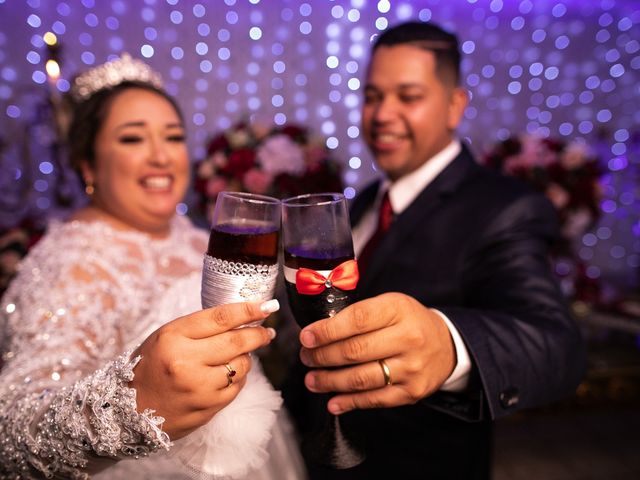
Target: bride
107,371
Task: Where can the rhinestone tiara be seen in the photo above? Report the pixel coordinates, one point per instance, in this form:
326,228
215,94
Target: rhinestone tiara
113,73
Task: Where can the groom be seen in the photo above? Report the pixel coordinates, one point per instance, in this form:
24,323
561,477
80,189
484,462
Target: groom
460,320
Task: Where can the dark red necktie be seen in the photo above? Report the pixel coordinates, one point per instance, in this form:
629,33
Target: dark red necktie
385,218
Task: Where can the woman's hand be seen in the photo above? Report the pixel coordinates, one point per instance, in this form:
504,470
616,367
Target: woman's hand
183,375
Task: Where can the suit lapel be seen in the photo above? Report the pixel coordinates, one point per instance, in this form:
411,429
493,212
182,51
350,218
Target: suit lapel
416,214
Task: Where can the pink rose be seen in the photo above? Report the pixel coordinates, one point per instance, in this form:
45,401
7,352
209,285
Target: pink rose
206,169
260,130
574,156
257,181
215,186
219,160
558,195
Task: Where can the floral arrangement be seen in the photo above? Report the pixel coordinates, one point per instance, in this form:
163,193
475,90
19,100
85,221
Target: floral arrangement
568,174
280,161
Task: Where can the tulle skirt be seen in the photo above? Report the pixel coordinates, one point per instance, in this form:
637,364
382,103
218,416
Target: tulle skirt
251,438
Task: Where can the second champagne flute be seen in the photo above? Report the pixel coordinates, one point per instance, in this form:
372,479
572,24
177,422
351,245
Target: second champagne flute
320,276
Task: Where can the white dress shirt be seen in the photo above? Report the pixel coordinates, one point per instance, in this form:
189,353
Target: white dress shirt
402,193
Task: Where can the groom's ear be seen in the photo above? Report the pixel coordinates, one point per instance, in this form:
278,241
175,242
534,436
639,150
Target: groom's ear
457,105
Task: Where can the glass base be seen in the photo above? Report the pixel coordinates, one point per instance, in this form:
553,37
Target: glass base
329,447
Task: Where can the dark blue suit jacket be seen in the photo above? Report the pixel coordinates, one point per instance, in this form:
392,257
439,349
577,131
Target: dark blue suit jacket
474,245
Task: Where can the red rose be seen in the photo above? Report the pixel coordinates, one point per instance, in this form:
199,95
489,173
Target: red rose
295,133
219,142
240,162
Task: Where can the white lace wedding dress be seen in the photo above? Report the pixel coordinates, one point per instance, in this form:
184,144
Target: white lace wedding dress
85,297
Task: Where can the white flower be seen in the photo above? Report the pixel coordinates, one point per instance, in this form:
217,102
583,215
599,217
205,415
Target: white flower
574,155
279,154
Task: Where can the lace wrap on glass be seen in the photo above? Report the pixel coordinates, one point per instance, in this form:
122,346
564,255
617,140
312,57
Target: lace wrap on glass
229,282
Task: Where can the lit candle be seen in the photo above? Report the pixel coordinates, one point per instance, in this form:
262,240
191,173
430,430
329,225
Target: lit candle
53,71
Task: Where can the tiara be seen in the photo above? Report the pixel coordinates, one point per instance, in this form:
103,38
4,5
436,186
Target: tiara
113,73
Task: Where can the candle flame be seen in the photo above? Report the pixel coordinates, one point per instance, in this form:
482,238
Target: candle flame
53,69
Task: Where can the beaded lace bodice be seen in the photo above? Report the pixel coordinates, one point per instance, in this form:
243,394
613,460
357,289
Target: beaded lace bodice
84,296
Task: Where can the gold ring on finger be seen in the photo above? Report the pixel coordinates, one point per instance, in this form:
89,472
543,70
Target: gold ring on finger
386,372
230,374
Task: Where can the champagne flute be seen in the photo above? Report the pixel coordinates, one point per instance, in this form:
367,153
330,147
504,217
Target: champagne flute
320,277
241,262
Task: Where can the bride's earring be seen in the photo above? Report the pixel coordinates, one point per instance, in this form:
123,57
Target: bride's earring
89,188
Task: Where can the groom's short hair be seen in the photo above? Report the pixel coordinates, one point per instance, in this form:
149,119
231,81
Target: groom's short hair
428,36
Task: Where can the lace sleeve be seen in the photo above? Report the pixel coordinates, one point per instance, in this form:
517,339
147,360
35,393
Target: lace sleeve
65,404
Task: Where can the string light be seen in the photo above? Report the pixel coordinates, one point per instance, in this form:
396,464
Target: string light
50,38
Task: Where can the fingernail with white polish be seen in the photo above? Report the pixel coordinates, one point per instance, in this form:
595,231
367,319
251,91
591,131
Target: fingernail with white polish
271,332
270,306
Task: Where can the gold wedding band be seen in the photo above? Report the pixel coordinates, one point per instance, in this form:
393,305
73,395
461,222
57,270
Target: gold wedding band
386,372
230,374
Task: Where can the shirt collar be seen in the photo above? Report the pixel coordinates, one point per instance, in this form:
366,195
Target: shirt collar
405,190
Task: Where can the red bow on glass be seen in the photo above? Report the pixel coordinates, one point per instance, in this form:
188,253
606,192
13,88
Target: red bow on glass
345,277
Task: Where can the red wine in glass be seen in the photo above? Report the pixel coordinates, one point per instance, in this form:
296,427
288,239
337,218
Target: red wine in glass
317,236
257,244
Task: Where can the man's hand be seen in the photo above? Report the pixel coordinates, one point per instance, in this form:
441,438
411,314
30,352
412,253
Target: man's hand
412,340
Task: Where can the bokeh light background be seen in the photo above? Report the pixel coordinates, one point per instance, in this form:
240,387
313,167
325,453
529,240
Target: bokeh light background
562,68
